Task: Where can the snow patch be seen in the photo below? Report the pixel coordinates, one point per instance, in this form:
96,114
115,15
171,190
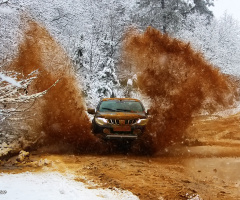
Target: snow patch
9,80
54,186
6,10
228,112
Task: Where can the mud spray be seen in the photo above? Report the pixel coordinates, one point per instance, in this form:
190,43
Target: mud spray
179,83
60,114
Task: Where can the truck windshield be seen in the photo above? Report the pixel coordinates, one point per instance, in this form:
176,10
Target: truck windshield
121,106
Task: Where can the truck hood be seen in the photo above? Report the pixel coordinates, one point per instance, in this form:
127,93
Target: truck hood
120,115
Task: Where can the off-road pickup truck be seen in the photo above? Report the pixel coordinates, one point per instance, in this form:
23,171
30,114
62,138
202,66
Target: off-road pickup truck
119,118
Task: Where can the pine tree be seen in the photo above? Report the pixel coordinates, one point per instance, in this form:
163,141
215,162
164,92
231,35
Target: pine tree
168,16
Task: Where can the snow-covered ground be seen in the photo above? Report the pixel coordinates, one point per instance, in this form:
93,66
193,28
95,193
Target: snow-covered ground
53,185
231,111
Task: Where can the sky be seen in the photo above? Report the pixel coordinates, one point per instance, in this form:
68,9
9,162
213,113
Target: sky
232,7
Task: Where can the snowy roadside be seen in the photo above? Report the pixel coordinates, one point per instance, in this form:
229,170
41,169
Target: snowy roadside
231,111
53,185
224,113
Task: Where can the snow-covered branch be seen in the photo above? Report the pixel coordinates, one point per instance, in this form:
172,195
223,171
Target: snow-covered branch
14,97
24,98
9,80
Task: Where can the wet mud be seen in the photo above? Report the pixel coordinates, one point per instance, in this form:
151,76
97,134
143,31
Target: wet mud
202,169
60,115
179,82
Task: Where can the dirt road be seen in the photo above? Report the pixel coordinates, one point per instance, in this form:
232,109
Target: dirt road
205,166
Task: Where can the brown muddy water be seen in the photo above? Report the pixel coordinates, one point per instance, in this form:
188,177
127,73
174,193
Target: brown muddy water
60,115
203,169
164,176
225,169
179,82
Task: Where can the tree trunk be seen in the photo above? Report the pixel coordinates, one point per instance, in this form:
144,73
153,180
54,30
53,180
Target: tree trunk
164,16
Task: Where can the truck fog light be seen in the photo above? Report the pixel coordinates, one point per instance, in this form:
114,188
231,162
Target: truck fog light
137,131
142,122
106,131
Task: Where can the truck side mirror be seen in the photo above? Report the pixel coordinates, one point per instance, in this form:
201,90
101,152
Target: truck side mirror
91,111
149,111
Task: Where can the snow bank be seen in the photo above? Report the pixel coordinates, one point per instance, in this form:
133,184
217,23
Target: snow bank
48,186
227,112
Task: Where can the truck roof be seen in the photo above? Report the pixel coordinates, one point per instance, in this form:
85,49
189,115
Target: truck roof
120,99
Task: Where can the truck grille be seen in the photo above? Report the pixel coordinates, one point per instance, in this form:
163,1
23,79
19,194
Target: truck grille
117,121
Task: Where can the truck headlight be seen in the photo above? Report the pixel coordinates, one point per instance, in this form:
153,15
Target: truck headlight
101,121
142,122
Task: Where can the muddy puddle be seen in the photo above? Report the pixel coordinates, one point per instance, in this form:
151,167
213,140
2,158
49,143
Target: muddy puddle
202,151
225,169
217,162
196,172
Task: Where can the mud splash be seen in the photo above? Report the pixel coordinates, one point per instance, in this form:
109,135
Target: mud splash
179,82
60,114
